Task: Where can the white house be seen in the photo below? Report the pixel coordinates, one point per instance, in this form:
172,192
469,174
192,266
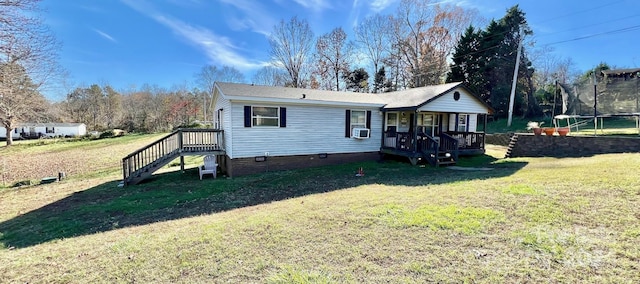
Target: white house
271,128
49,129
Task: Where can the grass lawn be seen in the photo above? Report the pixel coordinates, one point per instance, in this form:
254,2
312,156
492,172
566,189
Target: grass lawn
532,220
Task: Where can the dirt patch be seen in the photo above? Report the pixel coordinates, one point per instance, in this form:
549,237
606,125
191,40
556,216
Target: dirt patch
37,162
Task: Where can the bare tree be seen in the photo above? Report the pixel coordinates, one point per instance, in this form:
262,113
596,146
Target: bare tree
425,33
270,76
551,68
207,78
373,35
27,57
291,43
112,106
19,100
334,53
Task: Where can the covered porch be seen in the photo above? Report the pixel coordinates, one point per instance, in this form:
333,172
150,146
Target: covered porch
438,138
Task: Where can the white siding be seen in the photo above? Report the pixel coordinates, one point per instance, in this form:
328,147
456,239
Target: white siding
309,130
473,122
445,103
225,105
75,130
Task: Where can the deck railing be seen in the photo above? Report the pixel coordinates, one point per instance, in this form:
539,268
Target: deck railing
399,140
468,140
450,145
171,146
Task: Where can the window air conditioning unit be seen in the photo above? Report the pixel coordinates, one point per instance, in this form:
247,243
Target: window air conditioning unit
360,133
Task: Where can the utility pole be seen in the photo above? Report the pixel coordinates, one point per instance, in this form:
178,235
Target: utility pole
595,104
553,108
515,79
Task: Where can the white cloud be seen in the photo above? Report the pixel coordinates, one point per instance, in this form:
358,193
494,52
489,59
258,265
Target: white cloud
379,5
218,49
105,35
256,17
316,5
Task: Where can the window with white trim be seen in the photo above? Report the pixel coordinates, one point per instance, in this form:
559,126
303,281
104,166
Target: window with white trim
358,119
430,122
462,122
50,129
392,119
265,116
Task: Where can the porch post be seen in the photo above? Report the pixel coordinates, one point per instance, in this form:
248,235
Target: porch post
484,127
414,120
455,125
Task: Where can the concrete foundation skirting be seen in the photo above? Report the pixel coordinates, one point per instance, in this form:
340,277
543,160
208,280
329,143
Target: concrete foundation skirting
253,165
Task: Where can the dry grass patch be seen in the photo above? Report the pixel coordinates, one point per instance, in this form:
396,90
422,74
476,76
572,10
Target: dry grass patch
529,220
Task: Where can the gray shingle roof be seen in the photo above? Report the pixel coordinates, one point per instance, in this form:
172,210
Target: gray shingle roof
410,98
255,91
417,96
49,124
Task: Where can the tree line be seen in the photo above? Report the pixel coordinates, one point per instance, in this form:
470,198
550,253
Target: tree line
422,43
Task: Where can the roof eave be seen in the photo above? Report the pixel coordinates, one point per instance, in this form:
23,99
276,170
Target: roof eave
249,99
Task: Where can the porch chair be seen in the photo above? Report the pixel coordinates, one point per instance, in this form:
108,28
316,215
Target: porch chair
210,166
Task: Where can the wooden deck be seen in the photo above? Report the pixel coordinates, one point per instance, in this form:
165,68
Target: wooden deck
144,162
441,150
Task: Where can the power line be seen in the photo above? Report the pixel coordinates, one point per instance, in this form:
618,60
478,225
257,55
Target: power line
622,30
582,11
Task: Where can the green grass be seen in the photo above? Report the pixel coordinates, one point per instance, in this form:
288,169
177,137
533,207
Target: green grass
571,220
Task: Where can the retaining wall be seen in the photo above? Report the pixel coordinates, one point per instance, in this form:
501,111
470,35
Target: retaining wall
529,145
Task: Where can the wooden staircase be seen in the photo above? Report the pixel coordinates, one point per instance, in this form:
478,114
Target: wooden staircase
440,153
142,163
512,143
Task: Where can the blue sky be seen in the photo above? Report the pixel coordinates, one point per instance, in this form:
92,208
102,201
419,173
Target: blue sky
128,43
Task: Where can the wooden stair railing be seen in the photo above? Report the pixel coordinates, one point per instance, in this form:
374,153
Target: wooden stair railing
439,152
142,163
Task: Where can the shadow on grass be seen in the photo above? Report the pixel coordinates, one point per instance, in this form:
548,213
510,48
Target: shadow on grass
175,195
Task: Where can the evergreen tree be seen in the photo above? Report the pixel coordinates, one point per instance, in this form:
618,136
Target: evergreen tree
357,80
485,60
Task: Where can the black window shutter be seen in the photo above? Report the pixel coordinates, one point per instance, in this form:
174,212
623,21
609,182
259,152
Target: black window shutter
247,116
369,119
283,117
347,124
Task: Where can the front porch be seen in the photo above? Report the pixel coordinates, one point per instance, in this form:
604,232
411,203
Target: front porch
443,149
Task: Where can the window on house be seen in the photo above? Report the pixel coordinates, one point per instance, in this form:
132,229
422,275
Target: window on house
462,122
392,119
265,116
49,130
256,116
358,119
430,123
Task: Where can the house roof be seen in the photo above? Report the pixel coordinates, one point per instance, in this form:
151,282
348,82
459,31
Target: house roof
405,99
235,91
621,71
416,97
49,124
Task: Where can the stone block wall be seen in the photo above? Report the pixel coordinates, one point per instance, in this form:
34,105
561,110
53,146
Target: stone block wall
501,139
529,145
